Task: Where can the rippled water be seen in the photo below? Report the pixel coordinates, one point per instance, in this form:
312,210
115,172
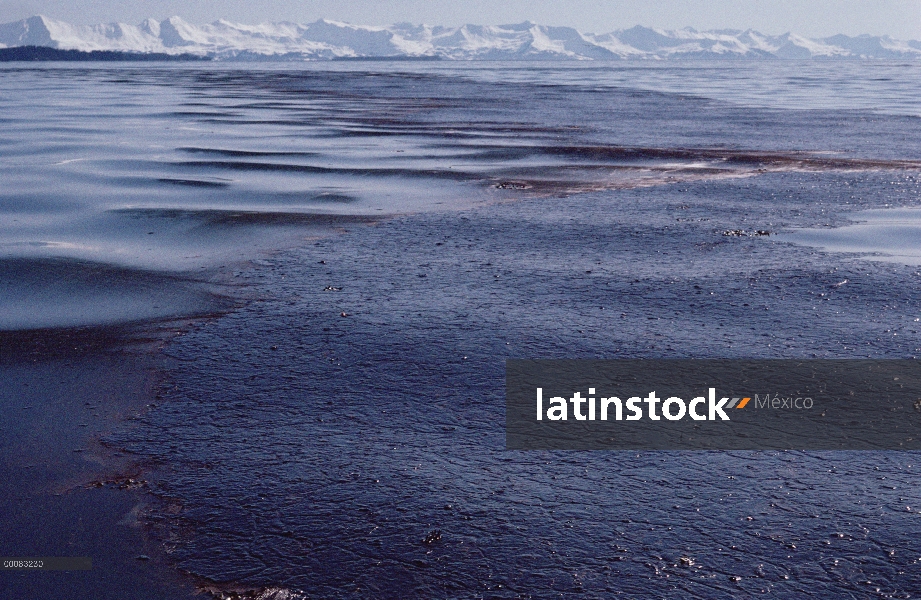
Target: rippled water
401,230
184,169
882,87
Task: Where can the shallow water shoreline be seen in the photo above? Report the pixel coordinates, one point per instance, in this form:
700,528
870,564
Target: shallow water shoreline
65,492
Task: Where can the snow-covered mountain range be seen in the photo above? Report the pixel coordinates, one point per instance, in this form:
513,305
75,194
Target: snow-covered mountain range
525,41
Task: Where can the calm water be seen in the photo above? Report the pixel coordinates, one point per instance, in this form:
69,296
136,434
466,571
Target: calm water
458,215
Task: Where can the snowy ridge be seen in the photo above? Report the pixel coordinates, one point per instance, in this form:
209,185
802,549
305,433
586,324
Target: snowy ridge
326,39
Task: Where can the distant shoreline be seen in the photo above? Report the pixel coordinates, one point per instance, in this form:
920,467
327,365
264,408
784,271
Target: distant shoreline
46,54
398,57
43,54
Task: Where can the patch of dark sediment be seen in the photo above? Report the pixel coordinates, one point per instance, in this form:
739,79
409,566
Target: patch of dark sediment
766,159
549,169
623,156
53,343
627,168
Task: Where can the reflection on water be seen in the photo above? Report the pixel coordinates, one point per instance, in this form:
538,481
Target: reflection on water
892,235
45,293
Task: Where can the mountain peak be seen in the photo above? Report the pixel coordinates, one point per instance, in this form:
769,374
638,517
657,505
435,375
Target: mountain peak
327,38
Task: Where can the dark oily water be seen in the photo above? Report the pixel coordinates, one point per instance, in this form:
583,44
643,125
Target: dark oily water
342,435
362,456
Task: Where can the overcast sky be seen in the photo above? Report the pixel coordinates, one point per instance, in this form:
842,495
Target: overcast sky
899,18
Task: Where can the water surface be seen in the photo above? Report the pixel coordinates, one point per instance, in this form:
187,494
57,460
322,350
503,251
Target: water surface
398,231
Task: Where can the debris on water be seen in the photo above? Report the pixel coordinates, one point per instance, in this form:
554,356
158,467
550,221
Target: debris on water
343,314
270,593
331,288
686,561
433,536
839,284
743,233
122,483
512,185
